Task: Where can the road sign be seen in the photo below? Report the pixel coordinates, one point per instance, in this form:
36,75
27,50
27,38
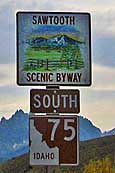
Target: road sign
54,140
53,48
54,101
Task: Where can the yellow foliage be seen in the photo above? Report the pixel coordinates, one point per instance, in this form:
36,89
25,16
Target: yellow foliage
99,166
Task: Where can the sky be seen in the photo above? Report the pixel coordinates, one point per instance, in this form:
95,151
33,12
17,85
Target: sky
98,101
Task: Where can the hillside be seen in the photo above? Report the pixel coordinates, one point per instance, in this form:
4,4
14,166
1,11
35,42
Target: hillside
14,134
92,149
56,40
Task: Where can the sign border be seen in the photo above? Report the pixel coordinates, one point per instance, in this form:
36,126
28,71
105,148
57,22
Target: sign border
51,116
17,49
60,90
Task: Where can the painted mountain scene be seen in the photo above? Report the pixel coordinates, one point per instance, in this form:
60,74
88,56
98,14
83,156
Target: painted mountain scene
54,47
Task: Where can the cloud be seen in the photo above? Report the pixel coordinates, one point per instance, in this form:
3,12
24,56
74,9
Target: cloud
13,98
35,5
7,39
3,2
104,21
103,78
97,101
98,106
103,37
7,74
104,50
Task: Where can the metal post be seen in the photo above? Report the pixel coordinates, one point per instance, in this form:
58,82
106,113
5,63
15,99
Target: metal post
46,169
52,86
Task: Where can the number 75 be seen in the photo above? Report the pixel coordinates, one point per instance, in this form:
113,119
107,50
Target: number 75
66,128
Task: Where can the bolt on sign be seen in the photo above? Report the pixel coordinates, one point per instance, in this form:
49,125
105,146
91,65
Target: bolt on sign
54,140
54,101
53,48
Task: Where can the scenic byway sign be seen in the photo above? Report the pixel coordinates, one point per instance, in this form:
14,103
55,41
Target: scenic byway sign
54,140
54,101
53,48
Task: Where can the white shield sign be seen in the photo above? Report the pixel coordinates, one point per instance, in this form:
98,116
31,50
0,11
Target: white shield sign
54,140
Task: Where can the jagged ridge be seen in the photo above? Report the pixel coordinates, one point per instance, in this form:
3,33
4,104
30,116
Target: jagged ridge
14,134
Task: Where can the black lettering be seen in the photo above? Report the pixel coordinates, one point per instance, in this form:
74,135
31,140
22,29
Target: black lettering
75,79
51,77
39,20
58,77
47,77
45,20
72,20
79,77
28,77
34,21
42,156
43,77
63,76
52,156
47,156
56,20
67,21
34,155
33,77
70,77
61,20
38,155
50,19
38,77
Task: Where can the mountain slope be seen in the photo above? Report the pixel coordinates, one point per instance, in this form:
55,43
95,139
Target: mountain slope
14,134
88,130
93,149
109,133
53,40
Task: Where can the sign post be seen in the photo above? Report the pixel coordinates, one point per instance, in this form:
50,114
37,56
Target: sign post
54,49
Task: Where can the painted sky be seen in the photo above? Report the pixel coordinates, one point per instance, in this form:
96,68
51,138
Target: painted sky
97,101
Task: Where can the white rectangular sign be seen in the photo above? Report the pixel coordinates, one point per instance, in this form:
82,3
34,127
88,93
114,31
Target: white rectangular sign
53,48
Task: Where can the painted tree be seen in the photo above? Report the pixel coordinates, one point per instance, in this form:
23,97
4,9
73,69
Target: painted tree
79,62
